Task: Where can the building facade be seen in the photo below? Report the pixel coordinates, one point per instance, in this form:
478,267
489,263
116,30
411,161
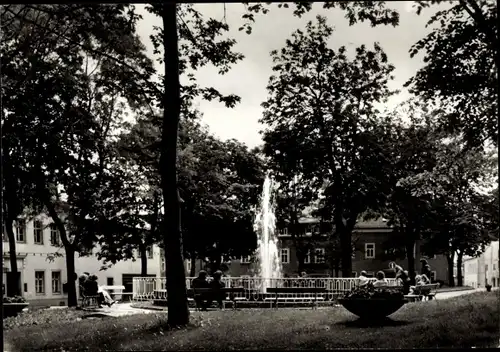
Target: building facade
41,263
483,270
369,254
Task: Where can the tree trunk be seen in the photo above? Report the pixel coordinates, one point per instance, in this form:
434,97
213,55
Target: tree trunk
460,256
337,267
178,311
300,258
14,282
450,259
410,245
215,264
144,260
68,246
192,272
71,276
346,253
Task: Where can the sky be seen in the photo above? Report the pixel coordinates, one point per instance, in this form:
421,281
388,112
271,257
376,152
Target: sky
249,77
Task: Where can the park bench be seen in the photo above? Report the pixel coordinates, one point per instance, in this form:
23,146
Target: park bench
295,290
423,291
210,293
112,288
88,300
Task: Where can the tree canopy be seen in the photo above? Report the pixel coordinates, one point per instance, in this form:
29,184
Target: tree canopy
321,121
460,70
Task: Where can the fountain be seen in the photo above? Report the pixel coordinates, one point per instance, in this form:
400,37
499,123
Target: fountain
268,254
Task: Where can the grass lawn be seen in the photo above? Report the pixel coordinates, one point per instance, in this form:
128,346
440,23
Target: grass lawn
465,321
453,289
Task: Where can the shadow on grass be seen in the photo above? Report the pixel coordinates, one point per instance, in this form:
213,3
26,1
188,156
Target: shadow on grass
368,323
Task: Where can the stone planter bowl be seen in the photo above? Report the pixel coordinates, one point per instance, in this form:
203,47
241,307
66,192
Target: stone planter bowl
13,309
372,308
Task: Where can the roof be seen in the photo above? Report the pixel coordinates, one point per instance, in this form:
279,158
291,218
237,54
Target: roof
379,223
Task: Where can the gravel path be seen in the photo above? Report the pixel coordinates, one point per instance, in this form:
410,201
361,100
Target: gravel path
451,294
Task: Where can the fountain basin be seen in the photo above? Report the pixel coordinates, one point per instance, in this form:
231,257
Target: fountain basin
372,308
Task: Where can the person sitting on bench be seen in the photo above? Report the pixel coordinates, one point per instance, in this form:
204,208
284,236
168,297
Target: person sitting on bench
82,282
363,279
420,280
381,281
91,289
96,290
216,284
201,282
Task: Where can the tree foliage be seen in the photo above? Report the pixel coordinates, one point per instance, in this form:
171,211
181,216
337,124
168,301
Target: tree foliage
62,60
322,121
460,71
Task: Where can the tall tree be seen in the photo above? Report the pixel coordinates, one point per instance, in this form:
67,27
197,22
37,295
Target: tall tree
326,101
127,222
219,183
457,223
292,200
206,50
71,106
410,149
460,70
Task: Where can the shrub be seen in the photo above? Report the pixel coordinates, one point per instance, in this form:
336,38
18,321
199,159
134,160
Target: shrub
15,299
42,316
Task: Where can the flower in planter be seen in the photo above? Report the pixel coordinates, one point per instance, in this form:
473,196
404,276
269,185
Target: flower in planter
370,292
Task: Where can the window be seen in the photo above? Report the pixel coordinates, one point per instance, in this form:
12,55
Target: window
283,231
40,282
37,232
486,267
433,276
309,230
150,252
21,230
319,255
110,281
245,259
54,235
188,266
285,255
369,250
162,261
494,266
307,258
25,286
56,282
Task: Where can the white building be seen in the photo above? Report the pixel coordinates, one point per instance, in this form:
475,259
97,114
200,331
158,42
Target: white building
483,270
43,273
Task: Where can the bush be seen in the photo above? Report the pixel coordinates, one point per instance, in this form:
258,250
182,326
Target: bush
15,299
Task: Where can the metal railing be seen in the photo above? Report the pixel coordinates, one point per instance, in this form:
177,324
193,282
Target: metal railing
150,288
